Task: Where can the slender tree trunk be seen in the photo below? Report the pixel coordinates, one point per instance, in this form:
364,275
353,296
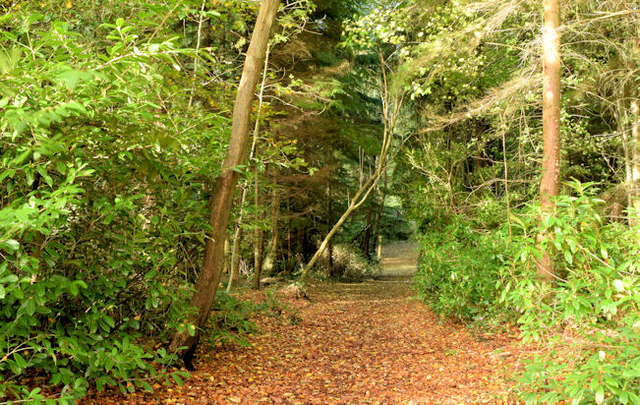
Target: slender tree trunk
258,247
235,257
237,240
376,230
366,244
550,183
289,236
222,197
634,219
329,219
269,261
254,150
227,254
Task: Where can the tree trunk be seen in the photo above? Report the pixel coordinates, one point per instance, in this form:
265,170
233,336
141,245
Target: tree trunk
377,238
550,183
269,261
258,247
254,150
634,218
366,243
227,254
222,197
329,219
235,257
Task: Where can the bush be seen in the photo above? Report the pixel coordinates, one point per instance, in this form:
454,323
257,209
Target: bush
102,210
459,269
589,317
348,264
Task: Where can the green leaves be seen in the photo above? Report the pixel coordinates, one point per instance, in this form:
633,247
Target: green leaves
10,245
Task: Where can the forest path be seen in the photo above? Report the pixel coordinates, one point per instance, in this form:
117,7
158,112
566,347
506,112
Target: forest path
399,260
364,343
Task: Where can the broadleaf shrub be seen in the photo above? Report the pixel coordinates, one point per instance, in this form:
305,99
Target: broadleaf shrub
587,319
459,269
103,211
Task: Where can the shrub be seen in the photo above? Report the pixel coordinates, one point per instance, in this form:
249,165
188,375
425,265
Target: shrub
459,269
102,212
590,315
348,264
587,319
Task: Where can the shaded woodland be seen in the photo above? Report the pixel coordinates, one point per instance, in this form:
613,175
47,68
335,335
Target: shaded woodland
161,161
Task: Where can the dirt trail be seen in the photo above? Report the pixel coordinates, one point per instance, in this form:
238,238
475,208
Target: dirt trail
399,259
365,343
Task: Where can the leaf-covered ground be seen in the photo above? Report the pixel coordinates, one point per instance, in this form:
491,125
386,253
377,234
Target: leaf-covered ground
362,343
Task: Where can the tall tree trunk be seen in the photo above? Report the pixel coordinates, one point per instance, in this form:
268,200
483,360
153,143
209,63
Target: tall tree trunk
366,243
258,242
254,150
377,238
222,197
550,183
236,246
269,261
634,218
227,254
329,219
235,256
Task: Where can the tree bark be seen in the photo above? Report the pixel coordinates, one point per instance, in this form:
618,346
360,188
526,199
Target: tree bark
376,230
269,261
207,284
550,183
634,218
258,247
235,256
329,219
366,243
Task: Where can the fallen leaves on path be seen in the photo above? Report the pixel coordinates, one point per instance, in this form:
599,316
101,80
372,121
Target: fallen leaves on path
366,343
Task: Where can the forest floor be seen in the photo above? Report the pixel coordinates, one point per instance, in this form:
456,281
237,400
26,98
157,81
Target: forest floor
360,343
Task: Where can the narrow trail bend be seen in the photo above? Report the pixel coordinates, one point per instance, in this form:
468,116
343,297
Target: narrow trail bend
364,343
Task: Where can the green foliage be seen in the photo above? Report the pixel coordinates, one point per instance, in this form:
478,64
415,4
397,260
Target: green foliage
590,315
231,321
459,268
587,319
104,172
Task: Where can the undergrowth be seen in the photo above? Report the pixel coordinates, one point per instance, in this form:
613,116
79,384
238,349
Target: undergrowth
587,320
